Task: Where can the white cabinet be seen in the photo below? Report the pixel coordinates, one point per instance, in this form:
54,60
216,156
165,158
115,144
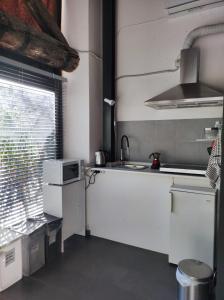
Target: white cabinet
67,202
130,208
134,207
192,222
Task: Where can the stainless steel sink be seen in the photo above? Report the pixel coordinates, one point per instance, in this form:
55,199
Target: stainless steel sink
126,165
134,167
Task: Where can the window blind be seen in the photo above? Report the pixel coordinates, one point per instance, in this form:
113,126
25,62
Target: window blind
30,132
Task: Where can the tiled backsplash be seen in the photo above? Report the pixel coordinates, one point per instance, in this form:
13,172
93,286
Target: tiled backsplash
174,139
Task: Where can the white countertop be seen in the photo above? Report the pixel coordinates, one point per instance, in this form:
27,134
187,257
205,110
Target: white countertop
146,171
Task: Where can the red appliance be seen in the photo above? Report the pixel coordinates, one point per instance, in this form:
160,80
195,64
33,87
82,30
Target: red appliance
155,162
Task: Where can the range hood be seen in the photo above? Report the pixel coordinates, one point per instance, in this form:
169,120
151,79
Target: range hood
190,92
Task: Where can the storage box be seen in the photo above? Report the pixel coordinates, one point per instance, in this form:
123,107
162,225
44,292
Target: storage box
33,245
10,258
53,232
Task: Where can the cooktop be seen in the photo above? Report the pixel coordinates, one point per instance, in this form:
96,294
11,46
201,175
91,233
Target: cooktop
184,169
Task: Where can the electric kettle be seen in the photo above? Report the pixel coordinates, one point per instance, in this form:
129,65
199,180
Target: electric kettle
155,162
100,159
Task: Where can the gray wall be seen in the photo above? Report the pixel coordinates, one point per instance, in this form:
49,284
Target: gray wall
174,139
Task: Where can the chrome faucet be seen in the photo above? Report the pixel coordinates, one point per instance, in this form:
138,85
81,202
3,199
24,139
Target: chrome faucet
125,152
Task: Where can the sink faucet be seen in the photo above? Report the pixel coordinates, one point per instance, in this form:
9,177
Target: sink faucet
123,150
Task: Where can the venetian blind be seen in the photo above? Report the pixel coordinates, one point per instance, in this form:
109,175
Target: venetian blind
30,132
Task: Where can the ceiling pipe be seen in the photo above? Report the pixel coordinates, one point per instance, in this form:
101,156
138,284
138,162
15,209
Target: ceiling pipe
188,43
201,32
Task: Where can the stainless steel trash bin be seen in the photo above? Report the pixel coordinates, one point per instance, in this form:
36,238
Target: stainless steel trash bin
33,245
195,280
53,232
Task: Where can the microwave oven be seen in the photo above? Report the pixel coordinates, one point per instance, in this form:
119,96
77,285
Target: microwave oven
62,171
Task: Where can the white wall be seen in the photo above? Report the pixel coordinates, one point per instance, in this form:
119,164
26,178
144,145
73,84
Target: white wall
81,25
147,40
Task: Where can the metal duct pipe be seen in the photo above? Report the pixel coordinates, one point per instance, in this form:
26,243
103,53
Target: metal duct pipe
188,43
202,31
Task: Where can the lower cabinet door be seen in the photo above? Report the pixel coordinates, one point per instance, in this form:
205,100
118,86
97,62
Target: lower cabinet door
73,203
192,227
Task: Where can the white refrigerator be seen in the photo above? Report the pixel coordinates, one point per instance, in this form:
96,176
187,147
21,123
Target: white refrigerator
192,224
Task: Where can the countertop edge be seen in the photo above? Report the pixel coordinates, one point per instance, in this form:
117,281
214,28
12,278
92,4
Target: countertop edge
143,172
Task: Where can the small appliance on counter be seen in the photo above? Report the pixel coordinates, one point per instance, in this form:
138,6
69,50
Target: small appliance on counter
63,171
100,158
156,161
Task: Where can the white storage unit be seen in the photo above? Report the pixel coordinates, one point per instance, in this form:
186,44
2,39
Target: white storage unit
10,258
67,202
192,224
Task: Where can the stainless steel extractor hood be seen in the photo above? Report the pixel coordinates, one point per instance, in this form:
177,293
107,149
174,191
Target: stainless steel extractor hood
190,92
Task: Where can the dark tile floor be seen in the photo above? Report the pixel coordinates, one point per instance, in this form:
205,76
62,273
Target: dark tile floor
98,269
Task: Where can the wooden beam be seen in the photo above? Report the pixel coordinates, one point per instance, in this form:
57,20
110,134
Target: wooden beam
44,19
19,38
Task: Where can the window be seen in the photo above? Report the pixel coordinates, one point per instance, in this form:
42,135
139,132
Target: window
30,132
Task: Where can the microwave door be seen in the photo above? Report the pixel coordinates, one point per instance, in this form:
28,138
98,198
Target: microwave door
71,173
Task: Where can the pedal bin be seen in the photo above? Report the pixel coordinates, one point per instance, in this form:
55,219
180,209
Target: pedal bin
195,280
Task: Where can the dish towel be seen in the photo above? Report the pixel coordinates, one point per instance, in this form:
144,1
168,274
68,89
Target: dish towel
214,163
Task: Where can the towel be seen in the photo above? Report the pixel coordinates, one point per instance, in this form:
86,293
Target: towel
214,163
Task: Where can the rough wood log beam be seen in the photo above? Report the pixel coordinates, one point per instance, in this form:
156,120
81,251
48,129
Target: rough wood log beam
45,20
19,38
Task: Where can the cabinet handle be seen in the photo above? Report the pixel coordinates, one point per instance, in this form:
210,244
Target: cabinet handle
172,206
